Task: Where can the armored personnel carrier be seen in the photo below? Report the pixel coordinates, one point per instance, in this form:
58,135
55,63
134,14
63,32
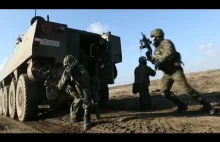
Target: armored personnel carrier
37,62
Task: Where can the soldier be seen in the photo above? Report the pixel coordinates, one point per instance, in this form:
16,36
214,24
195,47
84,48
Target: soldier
92,65
168,60
95,83
95,88
142,82
75,78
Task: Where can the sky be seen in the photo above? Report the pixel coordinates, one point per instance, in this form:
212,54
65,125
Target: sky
195,33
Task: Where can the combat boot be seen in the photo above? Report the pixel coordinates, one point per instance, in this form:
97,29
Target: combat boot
207,106
181,108
87,120
202,101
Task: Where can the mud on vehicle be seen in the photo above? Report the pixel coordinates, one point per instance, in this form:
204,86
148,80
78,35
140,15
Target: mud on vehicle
36,63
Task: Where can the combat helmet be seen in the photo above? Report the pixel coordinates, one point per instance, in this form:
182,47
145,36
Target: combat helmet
142,59
157,32
69,59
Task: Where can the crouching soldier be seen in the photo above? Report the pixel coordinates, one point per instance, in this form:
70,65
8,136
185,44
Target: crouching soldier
142,82
76,79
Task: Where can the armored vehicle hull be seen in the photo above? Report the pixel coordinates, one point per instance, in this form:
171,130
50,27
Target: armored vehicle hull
37,64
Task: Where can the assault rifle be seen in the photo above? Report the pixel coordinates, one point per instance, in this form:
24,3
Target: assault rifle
145,43
68,70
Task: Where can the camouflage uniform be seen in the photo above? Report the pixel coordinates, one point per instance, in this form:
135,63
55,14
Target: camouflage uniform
142,82
167,59
77,85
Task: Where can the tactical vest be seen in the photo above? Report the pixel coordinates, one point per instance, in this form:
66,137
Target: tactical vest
81,76
169,63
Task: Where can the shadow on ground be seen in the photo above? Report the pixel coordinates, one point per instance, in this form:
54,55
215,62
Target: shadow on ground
187,114
131,104
53,113
159,102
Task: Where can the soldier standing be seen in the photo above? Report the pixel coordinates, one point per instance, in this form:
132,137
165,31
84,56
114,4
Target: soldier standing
75,79
92,65
142,82
168,60
95,83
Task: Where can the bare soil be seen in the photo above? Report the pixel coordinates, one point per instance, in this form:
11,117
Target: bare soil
124,116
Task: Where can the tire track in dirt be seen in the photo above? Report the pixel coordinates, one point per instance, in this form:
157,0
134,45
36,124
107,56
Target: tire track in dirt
8,125
56,122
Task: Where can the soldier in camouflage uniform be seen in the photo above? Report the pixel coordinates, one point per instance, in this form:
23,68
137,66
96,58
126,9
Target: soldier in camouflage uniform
75,79
142,82
168,60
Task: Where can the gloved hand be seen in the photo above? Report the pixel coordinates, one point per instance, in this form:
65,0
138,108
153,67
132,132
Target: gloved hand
148,55
157,65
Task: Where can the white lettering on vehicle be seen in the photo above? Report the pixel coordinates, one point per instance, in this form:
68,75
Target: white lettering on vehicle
48,42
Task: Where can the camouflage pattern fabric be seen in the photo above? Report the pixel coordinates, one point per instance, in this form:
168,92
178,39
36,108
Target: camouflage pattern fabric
173,72
157,32
164,52
82,97
76,108
169,61
68,60
178,77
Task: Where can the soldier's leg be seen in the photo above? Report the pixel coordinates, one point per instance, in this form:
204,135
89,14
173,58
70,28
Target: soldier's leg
87,108
166,84
96,103
181,81
76,110
144,99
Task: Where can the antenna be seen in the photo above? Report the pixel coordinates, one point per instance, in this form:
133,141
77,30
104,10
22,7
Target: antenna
35,12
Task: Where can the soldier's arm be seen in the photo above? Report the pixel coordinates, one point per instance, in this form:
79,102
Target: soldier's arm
63,81
168,50
151,71
135,71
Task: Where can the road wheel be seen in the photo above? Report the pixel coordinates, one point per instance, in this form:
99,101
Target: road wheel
12,98
5,100
26,99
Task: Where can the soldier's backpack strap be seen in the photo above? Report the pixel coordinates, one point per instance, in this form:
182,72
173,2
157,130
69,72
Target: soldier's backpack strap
179,58
84,77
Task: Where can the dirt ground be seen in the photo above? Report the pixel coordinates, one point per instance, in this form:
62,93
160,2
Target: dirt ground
124,116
